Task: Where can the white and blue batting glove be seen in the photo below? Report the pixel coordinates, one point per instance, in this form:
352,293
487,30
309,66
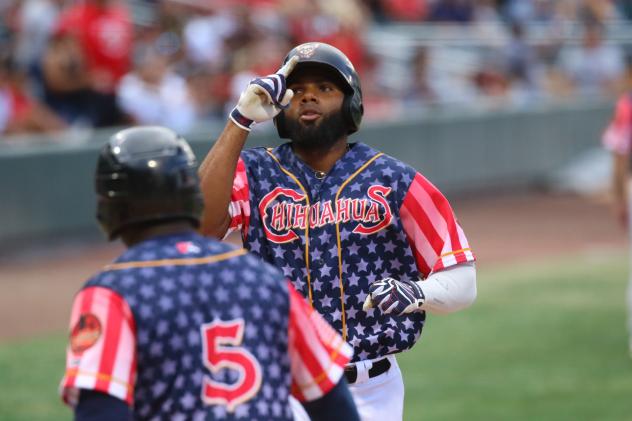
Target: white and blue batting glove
264,98
395,297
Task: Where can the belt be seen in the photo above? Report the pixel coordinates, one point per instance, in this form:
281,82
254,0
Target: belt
378,367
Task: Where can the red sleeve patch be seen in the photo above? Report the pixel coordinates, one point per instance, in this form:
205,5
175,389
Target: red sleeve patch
85,333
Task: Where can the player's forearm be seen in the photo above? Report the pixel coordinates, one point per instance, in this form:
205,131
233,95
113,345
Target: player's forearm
216,178
450,290
337,405
98,406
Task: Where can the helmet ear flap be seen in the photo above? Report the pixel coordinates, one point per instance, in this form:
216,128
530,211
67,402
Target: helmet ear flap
354,109
279,122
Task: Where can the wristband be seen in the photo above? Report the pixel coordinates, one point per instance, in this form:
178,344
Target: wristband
240,120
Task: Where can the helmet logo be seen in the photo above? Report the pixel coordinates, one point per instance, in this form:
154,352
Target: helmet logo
307,50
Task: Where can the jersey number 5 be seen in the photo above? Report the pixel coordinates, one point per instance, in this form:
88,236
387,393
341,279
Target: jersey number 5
220,348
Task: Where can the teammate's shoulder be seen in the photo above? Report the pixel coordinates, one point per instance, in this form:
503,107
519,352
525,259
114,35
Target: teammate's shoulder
265,272
104,278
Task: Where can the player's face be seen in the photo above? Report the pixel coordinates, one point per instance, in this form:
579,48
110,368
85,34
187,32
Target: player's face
314,118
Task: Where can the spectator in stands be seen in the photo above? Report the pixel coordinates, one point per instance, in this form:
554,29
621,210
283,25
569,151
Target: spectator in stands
522,66
457,11
404,10
491,80
20,112
598,10
340,24
593,67
36,21
66,82
208,89
103,30
154,94
421,92
524,11
486,11
624,8
204,36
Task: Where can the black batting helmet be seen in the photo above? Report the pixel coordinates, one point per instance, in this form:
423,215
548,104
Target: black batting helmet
146,175
325,55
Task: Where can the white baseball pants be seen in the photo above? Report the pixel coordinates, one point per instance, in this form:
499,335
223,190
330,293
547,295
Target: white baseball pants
380,398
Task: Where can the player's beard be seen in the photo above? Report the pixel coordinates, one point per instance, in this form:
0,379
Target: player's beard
322,135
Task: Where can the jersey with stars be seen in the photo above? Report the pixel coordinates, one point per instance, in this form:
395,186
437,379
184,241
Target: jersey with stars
191,328
371,217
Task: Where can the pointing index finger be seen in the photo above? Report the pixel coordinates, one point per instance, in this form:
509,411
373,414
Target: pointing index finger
288,67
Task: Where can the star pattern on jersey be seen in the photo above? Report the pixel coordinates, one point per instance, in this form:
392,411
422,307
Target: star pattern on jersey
365,258
170,305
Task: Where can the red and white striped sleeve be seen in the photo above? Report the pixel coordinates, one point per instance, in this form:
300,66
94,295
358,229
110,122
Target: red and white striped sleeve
101,354
318,354
434,235
618,134
239,208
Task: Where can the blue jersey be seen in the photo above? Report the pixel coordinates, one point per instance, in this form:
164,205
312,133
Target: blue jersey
184,327
370,218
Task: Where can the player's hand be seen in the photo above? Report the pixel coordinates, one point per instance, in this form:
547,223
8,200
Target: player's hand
264,97
395,297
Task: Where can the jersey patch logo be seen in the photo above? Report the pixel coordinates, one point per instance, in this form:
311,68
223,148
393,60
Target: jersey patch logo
307,50
186,247
284,210
86,333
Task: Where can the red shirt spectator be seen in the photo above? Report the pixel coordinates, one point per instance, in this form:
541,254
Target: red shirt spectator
406,10
104,30
20,113
349,43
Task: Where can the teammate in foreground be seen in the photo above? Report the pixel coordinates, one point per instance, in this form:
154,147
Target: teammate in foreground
185,327
617,138
368,240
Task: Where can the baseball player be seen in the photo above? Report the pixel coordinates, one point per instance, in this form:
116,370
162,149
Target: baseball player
617,138
182,327
369,241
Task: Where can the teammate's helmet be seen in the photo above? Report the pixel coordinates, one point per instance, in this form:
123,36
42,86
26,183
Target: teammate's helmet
321,54
146,175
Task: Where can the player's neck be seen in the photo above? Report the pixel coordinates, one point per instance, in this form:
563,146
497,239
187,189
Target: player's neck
137,235
319,159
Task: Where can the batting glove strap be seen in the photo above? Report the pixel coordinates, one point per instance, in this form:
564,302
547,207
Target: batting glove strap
275,87
396,297
243,122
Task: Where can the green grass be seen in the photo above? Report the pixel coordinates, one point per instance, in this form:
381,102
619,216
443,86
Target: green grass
30,373
545,342
542,342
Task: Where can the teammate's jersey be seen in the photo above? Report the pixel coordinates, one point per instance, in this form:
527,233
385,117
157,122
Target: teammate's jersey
370,218
618,134
183,327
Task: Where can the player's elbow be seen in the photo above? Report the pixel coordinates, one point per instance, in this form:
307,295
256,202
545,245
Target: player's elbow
466,298
454,305
465,293
213,226
452,290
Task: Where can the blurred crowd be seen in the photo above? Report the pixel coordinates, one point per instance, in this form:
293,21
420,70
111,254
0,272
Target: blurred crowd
98,63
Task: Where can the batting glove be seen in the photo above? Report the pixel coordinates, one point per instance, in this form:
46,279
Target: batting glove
264,98
395,297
